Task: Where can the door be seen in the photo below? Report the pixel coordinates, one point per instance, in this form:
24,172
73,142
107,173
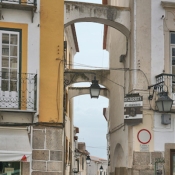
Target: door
9,67
172,162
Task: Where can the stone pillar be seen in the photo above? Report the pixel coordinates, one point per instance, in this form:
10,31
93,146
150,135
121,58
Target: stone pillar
117,171
25,168
47,154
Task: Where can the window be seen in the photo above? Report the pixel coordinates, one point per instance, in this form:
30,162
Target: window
172,54
67,153
9,68
172,162
10,168
82,163
9,53
70,153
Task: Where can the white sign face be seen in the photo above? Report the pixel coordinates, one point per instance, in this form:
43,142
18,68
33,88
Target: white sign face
144,136
144,148
133,107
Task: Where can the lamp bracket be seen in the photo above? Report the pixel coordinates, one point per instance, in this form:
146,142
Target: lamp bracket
156,85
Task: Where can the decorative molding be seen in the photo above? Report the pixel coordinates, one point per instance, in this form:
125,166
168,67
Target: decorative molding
168,4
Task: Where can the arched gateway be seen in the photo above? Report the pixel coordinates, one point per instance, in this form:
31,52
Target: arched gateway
103,14
116,17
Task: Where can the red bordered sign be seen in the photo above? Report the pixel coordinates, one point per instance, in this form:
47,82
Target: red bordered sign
144,136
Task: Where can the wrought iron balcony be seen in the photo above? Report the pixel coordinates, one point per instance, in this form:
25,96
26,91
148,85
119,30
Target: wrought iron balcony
18,91
167,80
28,5
20,2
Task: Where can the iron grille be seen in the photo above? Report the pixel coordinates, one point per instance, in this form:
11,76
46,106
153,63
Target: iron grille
29,2
18,91
167,80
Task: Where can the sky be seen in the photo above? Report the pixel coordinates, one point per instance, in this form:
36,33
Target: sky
88,113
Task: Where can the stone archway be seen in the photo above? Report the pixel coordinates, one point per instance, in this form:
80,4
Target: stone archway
118,156
103,14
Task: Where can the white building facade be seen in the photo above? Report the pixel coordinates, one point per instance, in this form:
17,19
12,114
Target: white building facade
145,145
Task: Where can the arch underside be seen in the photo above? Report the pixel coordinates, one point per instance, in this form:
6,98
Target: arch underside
107,22
77,91
79,75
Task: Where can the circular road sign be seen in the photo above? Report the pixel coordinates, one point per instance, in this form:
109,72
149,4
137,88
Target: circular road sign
144,136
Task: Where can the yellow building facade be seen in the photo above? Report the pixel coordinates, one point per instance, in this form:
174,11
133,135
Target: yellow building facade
32,134
51,62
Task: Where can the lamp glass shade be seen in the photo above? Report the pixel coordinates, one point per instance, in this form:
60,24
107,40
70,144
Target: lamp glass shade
101,169
164,103
159,105
88,159
94,89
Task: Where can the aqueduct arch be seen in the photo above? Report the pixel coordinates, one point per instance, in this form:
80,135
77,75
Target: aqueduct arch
103,14
116,17
77,76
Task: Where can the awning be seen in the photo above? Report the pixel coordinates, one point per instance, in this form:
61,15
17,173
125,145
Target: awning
14,145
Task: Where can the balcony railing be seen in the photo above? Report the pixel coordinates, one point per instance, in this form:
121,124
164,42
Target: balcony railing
26,5
166,81
20,2
18,91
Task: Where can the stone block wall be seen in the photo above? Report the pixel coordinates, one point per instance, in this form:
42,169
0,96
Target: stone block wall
168,147
143,164
47,154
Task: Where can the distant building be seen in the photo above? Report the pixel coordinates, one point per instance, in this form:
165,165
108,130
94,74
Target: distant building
94,167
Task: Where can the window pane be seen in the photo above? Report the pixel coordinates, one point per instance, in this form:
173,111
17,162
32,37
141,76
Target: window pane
173,72
172,38
13,85
173,164
13,75
4,85
13,39
13,63
10,168
5,50
13,50
5,38
173,51
173,60
5,62
5,73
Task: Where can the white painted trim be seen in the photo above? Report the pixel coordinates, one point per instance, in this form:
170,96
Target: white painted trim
135,42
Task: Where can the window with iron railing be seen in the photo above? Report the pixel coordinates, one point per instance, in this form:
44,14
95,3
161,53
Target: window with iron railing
19,95
17,90
28,2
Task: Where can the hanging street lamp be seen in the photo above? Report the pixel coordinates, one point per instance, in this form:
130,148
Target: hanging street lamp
164,102
94,89
101,168
88,159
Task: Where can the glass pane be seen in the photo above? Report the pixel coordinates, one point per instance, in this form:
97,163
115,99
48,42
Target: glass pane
173,51
10,168
172,38
13,50
4,85
5,38
5,73
13,75
173,72
5,50
5,62
173,60
13,39
13,85
13,63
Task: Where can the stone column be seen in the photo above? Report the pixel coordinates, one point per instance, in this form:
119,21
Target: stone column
47,154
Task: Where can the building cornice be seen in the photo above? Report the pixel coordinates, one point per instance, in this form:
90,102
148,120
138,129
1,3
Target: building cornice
168,4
